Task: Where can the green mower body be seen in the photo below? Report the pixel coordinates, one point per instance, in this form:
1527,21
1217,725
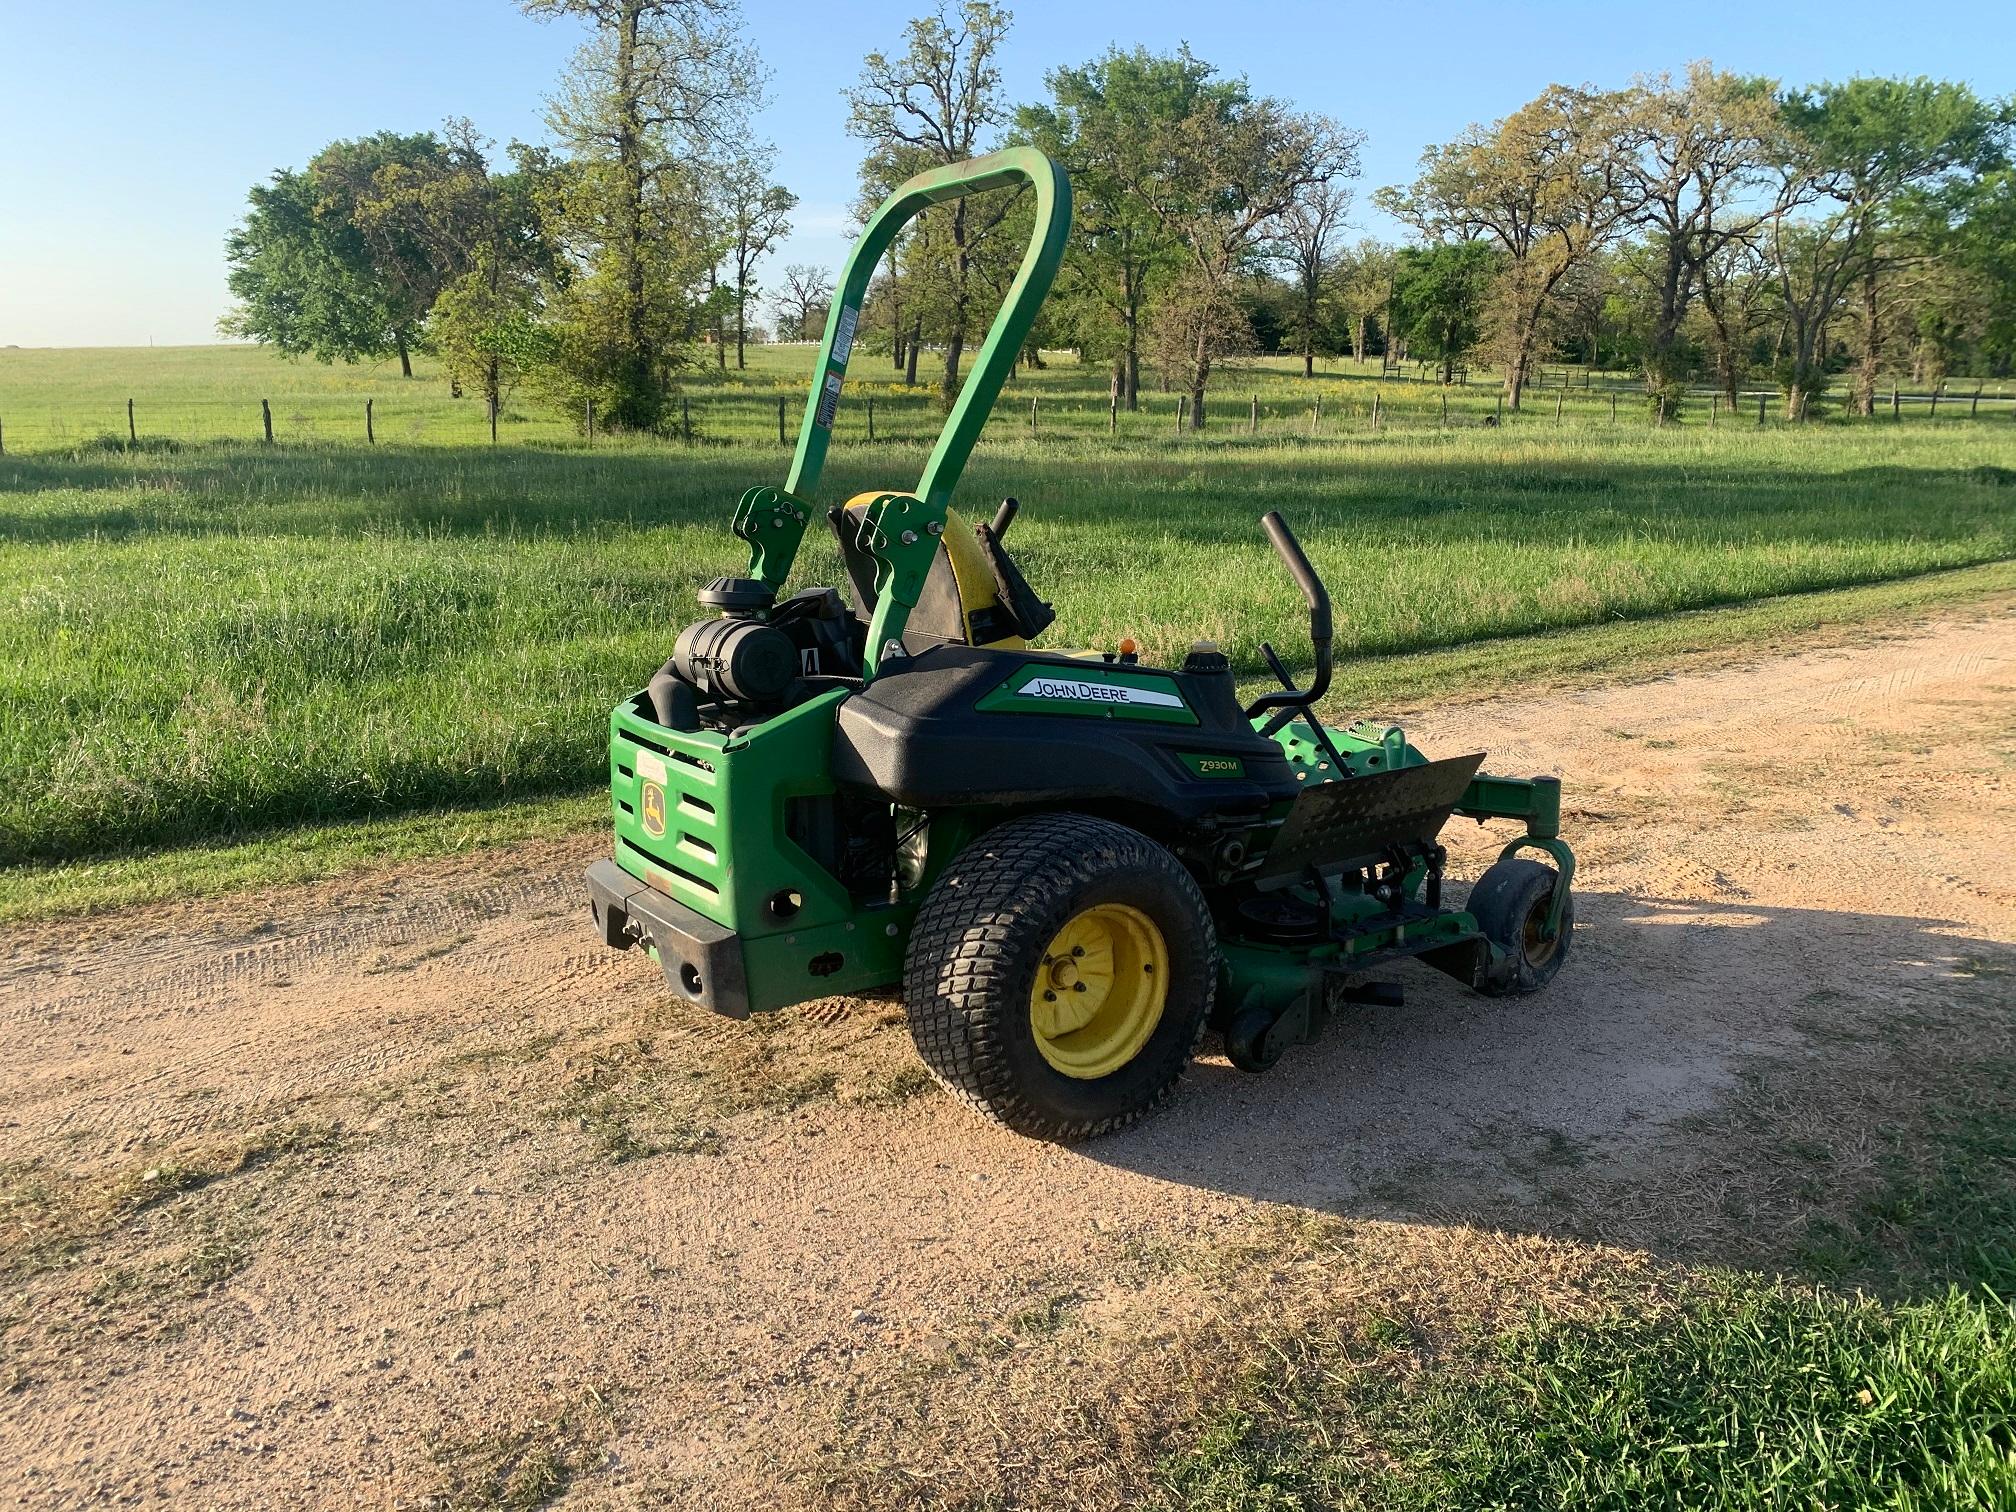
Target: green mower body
1072,863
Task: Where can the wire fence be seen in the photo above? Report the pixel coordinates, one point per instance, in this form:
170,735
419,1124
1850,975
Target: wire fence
902,414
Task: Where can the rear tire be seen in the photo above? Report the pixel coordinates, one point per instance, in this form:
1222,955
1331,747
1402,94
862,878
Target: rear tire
980,963
1510,904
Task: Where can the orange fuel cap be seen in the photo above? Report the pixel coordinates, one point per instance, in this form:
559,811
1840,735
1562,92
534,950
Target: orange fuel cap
1128,645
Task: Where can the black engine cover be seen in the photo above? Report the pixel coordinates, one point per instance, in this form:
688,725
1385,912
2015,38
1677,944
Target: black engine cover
917,735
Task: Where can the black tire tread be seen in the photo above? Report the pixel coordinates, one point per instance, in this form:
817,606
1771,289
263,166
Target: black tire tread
965,953
1499,903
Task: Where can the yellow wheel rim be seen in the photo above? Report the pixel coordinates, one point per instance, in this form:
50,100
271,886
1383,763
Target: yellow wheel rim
1099,990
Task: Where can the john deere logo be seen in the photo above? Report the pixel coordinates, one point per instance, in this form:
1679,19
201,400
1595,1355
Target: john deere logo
654,811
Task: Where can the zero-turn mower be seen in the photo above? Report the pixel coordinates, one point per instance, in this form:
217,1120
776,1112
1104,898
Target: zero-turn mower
1072,862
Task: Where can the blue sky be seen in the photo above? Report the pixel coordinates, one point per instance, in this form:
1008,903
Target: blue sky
129,132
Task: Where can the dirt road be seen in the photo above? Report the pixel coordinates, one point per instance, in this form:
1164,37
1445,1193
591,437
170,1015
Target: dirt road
405,1190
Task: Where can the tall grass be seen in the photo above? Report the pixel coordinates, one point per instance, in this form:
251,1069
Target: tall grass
227,636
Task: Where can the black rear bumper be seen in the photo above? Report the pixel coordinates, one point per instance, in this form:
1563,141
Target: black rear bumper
702,960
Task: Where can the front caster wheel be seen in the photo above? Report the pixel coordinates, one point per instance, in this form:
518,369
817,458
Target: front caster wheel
1510,904
1059,974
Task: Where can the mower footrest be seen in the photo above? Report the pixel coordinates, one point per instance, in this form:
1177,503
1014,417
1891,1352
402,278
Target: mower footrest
702,960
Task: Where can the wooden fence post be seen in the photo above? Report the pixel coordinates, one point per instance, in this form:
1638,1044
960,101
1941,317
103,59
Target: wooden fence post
266,420
1032,414
1253,416
1182,404
1934,414
1662,411
1714,409
1760,409
871,417
490,404
1613,408
1558,398
1375,409
370,434
1316,413
133,436
1895,413
1498,409
1973,410
1444,422
780,419
591,420
1112,414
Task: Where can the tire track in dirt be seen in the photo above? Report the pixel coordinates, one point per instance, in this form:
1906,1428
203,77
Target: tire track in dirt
1762,844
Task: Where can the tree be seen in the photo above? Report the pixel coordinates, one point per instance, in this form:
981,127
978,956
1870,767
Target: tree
480,233
311,277
1217,169
926,108
1365,290
1735,294
656,93
1700,172
757,214
1308,239
802,302
1877,145
1094,125
1546,184
1439,297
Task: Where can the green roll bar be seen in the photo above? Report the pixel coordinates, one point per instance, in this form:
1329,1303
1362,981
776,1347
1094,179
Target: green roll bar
773,521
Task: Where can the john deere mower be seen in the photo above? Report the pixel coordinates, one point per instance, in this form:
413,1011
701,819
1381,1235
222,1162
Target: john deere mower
1073,862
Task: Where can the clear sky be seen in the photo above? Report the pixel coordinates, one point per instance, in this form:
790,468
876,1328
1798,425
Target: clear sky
130,131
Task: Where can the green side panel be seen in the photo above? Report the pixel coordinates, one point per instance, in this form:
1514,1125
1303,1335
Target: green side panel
1207,765
1096,692
704,818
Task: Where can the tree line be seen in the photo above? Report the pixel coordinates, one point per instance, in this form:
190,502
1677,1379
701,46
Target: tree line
1713,225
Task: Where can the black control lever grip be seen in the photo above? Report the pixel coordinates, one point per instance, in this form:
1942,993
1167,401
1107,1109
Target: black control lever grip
1004,517
1320,629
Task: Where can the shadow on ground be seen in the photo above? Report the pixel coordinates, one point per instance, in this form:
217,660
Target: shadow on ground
1724,1083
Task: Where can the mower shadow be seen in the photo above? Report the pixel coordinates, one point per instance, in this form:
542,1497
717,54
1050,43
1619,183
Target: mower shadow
1663,1094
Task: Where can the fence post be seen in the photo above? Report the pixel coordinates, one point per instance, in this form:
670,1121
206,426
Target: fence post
1760,409
266,419
490,404
1253,416
871,417
133,436
1714,409
1613,408
1032,414
1662,410
1375,409
590,407
370,435
3,438
1316,413
1444,422
1895,414
1112,414
686,417
1973,410
780,419
1557,401
1182,404
1498,409
1934,415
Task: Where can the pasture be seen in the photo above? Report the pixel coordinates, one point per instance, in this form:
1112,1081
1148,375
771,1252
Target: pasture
1725,1215
221,637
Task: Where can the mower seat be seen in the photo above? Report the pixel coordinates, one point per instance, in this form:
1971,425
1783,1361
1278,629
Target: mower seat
961,604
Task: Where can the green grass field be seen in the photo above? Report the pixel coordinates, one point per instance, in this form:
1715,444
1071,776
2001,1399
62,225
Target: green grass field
228,664
227,637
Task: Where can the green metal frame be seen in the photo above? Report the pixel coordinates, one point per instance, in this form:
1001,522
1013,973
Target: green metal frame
901,530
